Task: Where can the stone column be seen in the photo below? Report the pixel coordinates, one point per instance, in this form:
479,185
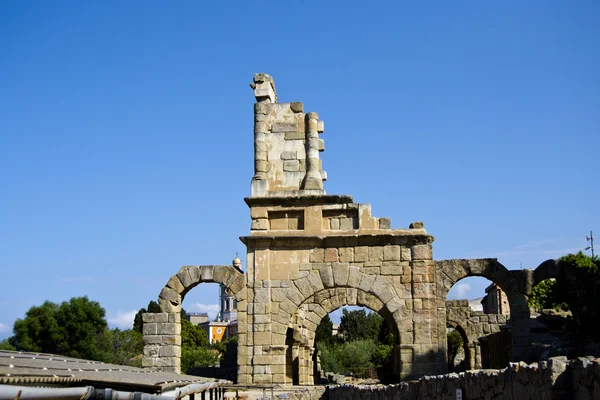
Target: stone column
313,179
162,341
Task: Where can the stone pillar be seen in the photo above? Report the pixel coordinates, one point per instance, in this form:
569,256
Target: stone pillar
162,342
313,179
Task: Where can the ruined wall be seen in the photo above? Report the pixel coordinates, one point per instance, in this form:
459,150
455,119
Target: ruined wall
474,325
553,379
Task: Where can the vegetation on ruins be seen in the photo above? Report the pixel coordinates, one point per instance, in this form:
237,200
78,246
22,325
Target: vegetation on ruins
362,347
455,344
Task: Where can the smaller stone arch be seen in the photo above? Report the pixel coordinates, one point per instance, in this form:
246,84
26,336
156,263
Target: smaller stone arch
468,345
172,295
162,331
552,269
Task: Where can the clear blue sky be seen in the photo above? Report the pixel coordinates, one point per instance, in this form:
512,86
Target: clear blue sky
126,132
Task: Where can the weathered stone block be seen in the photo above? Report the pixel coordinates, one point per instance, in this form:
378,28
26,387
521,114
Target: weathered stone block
289,155
391,253
260,224
327,277
384,223
331,255
297,107
284,127
291,166
175,284
340,274
421,252
361,253
376,254
317,255
294,135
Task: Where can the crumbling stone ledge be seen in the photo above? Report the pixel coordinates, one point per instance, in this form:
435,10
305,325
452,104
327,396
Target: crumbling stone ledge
557,378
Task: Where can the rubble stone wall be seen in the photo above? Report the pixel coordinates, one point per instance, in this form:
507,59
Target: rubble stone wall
553,379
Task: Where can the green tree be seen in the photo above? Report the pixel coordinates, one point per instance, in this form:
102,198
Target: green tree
356,358
546,296
324,332
80,322
192,336
358,325
193,357
38,331
455,343
5,345
123,347
580,291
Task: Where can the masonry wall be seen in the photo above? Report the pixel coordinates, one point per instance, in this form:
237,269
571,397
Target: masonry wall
553,379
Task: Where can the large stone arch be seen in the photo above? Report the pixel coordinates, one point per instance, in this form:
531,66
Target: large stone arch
515,283
552,269
162,331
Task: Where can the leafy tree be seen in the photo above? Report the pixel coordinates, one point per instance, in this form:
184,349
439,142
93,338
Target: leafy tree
324,332
546,296
358,325
581,293
192,336
4,345
122,347
192,357
356,357
455,344
80,323
38,331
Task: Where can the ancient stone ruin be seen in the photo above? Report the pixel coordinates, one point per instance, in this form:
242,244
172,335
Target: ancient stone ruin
310,253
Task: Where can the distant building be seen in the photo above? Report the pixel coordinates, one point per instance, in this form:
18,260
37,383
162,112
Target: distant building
197,318
476,305
225,326
495,301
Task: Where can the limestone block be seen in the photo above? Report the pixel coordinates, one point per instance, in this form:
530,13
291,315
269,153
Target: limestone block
167,306
372,270
317,255
297,107
289,155
334,224
340,274
155,317
346,224
361,253
262,166
421,252
331,255
260,224
321,145
299,135
282,127
184,276
391,253
206,273
169,351
278,294
175,284
384,223
149,328
168,328
351,296
291,166
376,254
354,276
261,295
170,295
298,275
405,254
238,283
295,296
175,318
314,278
304,286
346,254
391,270
327,276
366,282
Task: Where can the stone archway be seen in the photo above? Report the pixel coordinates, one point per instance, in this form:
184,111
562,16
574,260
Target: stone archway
468,344
162,331
309,314
515,283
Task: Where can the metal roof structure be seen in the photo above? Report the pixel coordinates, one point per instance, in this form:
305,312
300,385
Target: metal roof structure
23,368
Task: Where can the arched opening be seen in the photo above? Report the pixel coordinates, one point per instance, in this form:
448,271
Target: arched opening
301,337
354,344
209,330
167,333
459,351
478,310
